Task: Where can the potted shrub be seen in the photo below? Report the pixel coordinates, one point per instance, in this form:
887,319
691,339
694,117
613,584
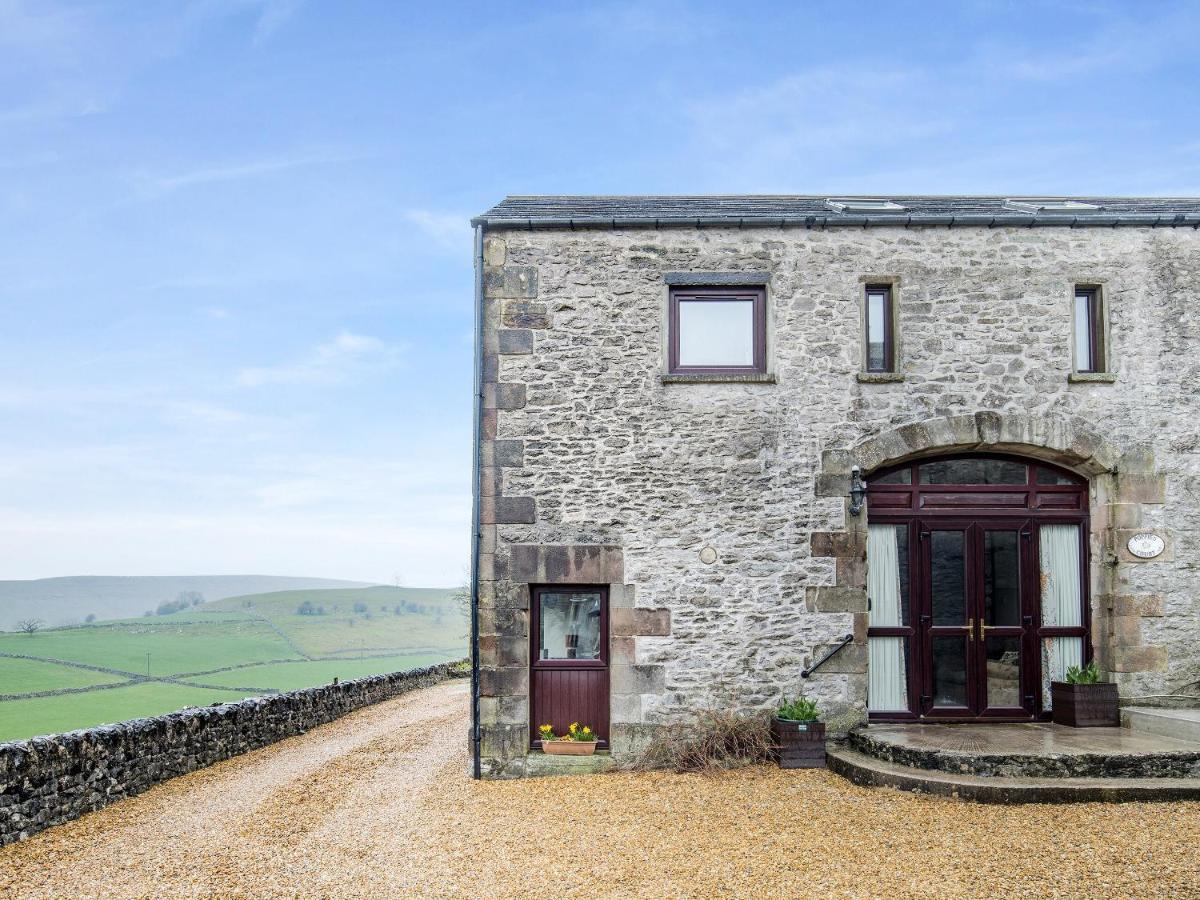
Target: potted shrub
578,741
799,738
1083,700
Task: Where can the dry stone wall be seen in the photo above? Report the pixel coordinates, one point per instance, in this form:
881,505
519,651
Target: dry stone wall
587,447
52,779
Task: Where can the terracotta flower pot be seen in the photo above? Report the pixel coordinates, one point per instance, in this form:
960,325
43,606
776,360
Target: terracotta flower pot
569,748
799,745
1084,705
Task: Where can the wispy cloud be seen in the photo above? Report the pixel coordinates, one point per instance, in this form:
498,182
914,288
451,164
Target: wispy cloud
345,358
241,171
450,231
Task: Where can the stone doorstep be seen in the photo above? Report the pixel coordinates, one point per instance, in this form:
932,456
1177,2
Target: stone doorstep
538,764
1039,751
872,772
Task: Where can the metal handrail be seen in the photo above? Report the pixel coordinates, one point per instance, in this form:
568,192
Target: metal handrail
848,639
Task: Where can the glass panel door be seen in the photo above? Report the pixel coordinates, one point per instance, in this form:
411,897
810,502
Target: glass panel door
947,621
1003,619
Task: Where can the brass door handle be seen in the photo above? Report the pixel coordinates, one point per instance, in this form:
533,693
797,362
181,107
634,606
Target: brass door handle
970,629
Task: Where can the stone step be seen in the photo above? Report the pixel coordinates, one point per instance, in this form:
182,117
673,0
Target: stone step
1032,750
872,772
1182,724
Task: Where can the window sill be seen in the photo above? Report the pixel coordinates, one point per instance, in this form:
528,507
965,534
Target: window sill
1091,378
721,378
880,377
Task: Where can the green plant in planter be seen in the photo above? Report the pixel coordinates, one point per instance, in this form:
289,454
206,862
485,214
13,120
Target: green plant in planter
1089,674
799,710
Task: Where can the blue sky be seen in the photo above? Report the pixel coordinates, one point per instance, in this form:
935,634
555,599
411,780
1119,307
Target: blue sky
235,265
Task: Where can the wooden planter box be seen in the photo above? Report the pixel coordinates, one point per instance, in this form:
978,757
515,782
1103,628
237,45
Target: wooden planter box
799,745
1084,705
569,748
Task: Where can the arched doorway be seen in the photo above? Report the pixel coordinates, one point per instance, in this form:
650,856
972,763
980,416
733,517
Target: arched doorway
976,587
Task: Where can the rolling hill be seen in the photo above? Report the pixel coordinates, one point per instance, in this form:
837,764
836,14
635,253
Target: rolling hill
247,645
61,601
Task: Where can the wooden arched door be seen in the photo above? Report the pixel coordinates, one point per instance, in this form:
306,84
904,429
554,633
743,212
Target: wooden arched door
976,586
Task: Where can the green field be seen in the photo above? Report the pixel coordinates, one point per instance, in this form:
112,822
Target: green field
21,676
293,675
261,643
48,715
175,646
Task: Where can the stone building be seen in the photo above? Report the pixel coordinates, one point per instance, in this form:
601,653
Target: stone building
679,399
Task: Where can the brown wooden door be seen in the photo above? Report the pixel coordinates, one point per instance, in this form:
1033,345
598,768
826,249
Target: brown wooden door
569,653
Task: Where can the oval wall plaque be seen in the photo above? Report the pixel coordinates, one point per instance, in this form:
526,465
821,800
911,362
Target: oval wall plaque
1146,545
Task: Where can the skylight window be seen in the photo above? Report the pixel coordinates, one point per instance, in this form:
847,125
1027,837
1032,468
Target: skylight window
861,204
1048,204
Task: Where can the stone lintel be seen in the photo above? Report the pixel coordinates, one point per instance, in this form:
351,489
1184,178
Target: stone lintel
567,564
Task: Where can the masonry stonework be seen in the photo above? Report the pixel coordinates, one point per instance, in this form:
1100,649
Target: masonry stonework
597,469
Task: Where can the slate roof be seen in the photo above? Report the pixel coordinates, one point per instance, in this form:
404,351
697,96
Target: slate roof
822,211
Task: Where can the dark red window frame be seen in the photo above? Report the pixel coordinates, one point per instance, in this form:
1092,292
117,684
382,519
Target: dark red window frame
1095,333
1028,505
889,326
756,294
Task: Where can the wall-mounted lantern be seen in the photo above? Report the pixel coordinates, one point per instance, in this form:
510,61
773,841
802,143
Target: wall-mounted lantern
858,491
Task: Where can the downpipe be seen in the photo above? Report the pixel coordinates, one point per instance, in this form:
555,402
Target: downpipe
476,529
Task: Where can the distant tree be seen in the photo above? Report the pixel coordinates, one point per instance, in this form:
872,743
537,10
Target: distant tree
91,617
29,626
168,607
306,609
360,607
189,598
462,597
148,612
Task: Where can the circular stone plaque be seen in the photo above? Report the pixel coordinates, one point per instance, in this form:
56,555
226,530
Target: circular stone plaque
1146,545
708,556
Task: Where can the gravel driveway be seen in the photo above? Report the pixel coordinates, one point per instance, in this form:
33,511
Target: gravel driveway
378,804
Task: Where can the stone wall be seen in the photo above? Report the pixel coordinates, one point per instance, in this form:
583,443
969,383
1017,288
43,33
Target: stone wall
53,779
716,512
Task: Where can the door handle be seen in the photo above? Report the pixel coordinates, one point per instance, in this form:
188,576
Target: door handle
970,628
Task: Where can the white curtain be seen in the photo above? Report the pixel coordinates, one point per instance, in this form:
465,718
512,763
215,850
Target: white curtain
1062,602
887,686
